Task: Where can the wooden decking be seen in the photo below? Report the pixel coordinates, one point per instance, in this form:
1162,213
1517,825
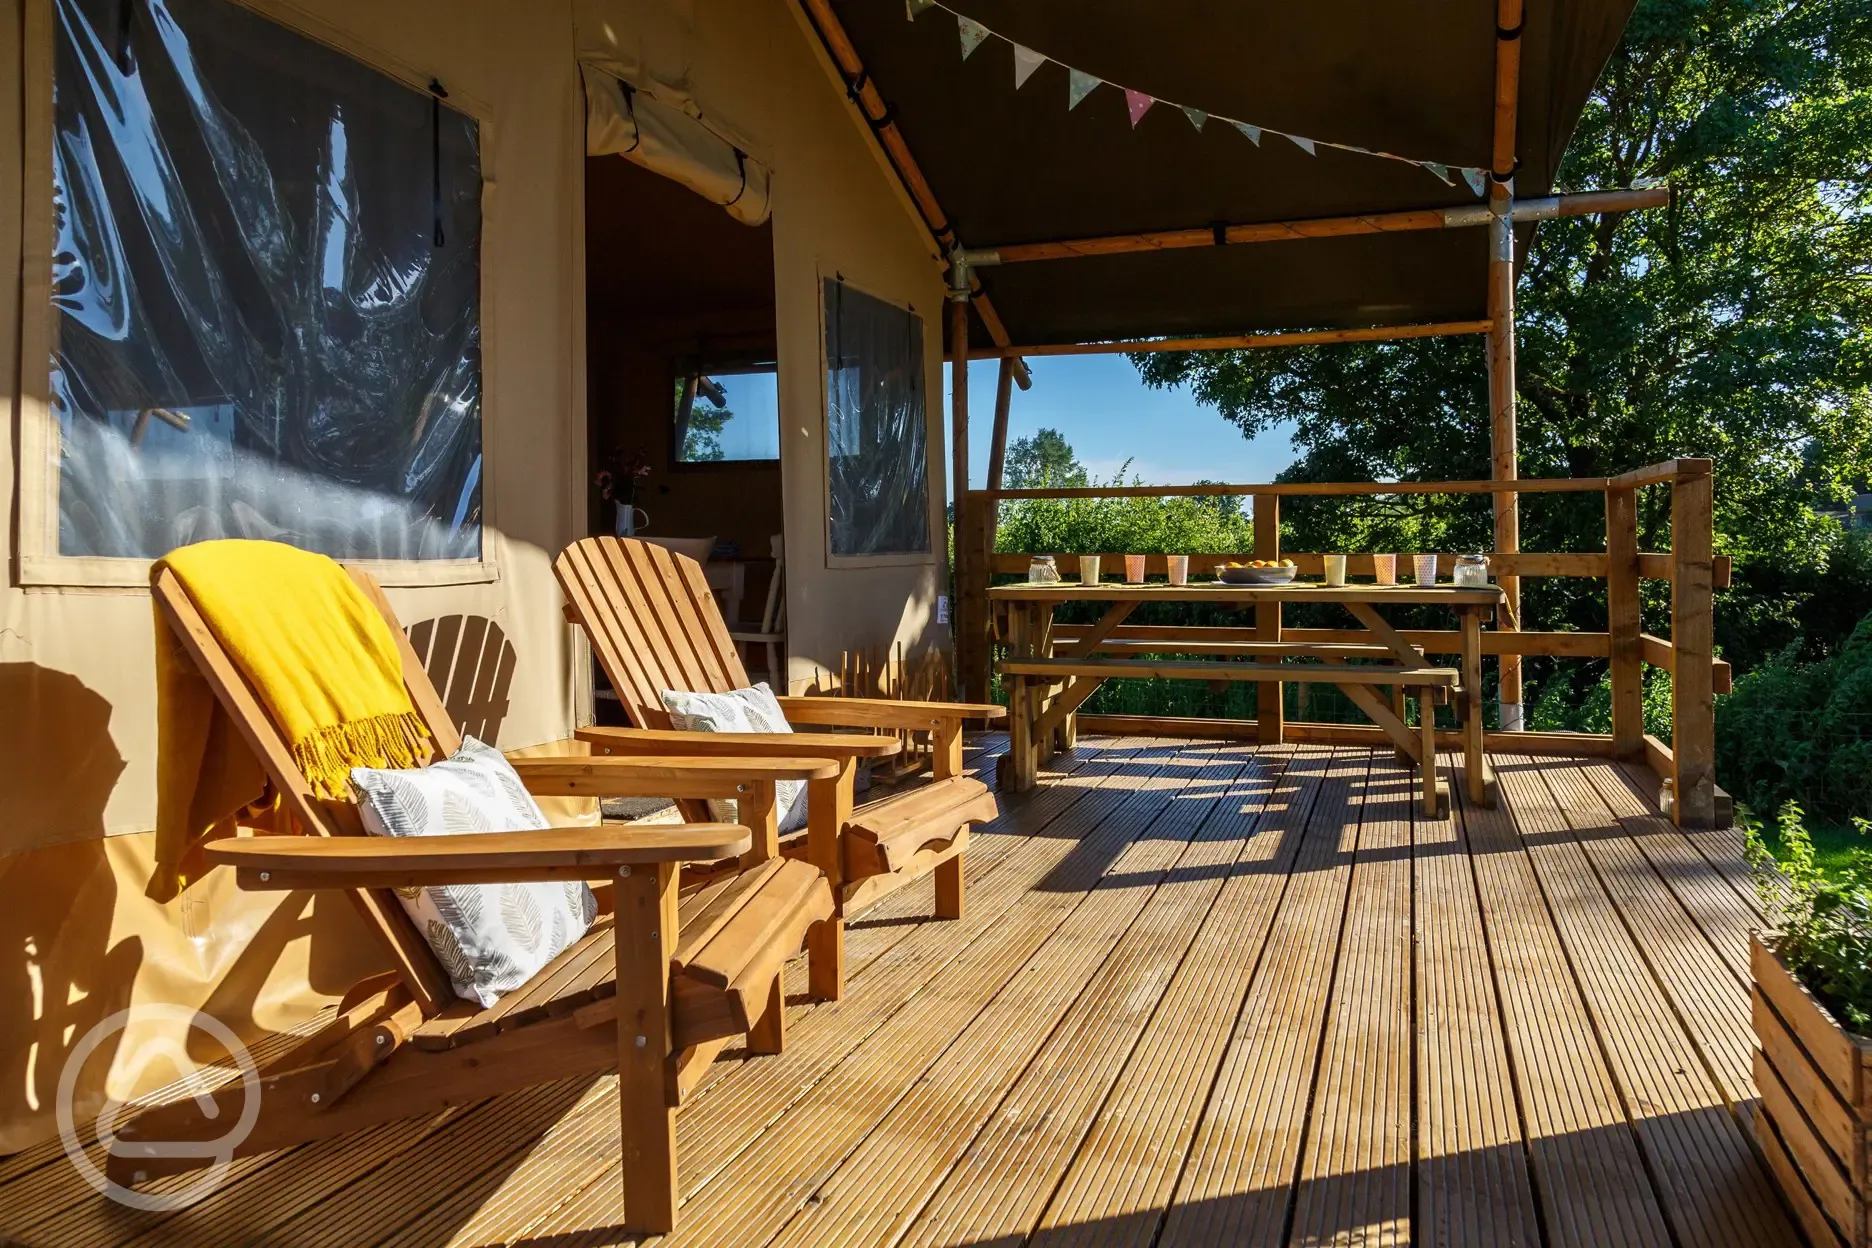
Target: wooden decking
1203,994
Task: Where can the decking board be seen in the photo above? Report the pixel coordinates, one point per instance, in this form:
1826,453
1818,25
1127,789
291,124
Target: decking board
1202,993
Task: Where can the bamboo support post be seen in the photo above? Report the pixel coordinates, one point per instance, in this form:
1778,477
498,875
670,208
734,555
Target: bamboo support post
1693,703
1501,344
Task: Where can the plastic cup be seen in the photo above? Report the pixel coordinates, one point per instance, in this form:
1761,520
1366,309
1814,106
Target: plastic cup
1425,567
1384,569
1089,569
1335,569
1177,567
1134,569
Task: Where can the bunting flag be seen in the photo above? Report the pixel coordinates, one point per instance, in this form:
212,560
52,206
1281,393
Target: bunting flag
1026,60
973,33
1079,84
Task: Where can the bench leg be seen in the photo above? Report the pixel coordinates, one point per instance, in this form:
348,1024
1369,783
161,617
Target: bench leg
949,888
1435,792
646,938
828,811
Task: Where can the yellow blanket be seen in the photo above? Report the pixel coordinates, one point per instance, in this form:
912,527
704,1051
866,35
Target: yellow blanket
321,659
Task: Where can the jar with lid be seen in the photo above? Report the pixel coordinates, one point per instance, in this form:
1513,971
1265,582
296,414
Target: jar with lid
1042,571
1472,570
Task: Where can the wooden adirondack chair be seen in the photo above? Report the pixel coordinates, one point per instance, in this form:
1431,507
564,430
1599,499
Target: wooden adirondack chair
655,627
655,990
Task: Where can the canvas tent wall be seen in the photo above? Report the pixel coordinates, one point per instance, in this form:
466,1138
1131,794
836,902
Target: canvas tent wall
77,748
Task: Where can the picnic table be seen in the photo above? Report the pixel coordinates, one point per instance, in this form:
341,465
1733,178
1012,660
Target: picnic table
1048,680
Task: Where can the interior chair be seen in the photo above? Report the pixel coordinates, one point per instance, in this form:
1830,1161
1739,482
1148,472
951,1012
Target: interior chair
771,635
655,990
655,627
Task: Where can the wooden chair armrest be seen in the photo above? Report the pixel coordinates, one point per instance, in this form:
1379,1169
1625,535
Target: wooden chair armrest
883,712
838,745
610,775
288,862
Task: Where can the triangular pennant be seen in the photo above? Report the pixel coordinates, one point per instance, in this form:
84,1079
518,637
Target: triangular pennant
1305,145
1079,84
973,32
1026,60
1137,104
1441,171
1253,132
1196,117
1477,180
914,7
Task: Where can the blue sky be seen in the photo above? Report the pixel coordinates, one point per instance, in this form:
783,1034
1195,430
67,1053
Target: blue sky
1109,415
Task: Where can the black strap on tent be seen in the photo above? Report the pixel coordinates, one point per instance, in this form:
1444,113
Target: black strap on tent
741,160
126,13
436,95
1505,34
630,110
1220,231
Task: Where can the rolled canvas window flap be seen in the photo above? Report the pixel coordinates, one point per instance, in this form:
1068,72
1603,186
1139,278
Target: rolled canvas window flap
622,121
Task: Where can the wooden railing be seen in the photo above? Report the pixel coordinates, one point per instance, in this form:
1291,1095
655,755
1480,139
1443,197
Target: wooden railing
1685,768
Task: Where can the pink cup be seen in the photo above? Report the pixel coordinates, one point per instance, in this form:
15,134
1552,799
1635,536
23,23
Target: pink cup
1384,569
1177,566
1134,569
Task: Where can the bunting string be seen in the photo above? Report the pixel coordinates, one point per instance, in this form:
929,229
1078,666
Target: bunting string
972,35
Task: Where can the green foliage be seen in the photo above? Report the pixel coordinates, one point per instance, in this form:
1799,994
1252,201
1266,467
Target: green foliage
1043,460
1822,920
1737,324
1802,731
1131,525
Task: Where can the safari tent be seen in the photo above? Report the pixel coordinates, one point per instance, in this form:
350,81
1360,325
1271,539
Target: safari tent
440,290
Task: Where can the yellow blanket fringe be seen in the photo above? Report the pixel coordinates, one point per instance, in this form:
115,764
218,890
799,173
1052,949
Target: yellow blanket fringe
326,668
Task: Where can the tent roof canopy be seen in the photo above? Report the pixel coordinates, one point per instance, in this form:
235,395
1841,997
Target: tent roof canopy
1417,79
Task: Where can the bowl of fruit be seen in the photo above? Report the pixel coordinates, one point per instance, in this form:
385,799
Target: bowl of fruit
1256,572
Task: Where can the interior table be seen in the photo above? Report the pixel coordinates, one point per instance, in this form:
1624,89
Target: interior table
1049,681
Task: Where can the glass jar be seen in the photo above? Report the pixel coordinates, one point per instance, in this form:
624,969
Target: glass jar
1472,570
1043,571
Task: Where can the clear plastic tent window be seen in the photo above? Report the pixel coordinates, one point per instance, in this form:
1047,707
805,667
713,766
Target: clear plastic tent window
266,291
876,428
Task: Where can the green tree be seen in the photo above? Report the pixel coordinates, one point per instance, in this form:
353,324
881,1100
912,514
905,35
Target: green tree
1733,324
1045,459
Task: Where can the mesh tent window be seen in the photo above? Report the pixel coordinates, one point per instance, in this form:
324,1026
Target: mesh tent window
265,291
876,426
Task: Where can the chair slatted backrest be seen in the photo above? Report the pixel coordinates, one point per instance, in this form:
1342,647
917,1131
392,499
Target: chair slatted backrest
415,962
652,621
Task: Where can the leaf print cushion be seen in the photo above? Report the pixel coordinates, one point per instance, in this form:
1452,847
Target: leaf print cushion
489,938
745,710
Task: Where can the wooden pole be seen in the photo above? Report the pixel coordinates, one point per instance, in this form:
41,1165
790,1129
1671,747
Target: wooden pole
1233,342
1406,221
965,558
1501,344
1693,701
997,441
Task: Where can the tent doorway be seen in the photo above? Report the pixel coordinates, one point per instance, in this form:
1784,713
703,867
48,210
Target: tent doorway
683,419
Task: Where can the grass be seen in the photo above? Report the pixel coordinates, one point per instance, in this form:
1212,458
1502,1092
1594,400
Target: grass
1833,845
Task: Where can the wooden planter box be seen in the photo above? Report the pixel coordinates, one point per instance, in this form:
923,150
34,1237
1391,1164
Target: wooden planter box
1815,1081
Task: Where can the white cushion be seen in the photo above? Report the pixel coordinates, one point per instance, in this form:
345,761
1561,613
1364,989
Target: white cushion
744,710
490,938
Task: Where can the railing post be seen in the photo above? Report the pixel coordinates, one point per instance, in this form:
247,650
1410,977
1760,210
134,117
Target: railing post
1624,621
1269,711
1693,702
